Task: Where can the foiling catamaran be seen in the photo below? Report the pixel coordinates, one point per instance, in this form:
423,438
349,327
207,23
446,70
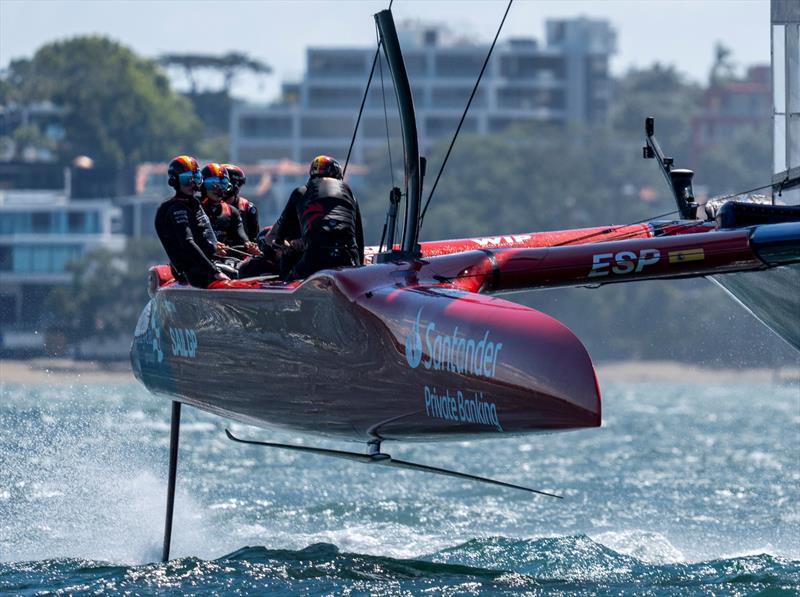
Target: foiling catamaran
415,346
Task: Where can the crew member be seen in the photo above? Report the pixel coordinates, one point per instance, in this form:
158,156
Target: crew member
184,229
225,219
274,259
247,208
325,215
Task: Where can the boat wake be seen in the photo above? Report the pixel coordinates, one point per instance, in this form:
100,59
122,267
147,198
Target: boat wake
575,564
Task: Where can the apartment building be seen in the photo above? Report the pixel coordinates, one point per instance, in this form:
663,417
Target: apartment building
41,232
566,80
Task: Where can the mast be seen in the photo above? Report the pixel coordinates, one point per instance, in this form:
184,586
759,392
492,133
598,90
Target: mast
408,123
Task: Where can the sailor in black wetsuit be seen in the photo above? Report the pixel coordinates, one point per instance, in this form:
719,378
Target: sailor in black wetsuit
184,229
325,215
225,219
246,208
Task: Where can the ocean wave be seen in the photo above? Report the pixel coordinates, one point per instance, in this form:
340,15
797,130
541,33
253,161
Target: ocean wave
553,565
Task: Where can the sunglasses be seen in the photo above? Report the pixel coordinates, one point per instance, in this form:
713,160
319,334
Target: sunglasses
193,178
217,184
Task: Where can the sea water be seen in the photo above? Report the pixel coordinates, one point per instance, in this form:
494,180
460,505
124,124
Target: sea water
685,489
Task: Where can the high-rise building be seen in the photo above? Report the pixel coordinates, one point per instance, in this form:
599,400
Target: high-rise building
564,81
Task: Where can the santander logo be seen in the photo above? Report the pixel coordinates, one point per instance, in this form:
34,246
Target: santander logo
454,352
414,344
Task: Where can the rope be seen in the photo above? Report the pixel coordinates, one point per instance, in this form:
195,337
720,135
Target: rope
363,102
464,115
781,185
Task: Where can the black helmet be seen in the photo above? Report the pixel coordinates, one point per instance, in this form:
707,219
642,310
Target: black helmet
325,165
236,175
183,170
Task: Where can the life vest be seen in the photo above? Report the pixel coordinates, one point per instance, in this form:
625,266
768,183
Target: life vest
242,204
221,223
226,209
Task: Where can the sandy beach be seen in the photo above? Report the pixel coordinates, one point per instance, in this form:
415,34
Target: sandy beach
72,372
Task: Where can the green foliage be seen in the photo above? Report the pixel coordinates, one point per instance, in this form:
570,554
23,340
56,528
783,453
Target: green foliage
119,107
661,92
230,65
106,295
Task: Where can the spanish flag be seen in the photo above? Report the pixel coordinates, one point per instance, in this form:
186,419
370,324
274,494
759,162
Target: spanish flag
686,255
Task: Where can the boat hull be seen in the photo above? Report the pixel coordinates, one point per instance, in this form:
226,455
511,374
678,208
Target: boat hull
398,362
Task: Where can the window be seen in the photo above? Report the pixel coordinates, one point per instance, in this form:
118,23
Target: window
93,222
459,65
253,155
516,98
416,65
21,259
456,97
15,223
41,221
254,127
40,260
375,128
324,127
532,67
5,259
334,97
76,222
8,308
337,64
60,257
51,259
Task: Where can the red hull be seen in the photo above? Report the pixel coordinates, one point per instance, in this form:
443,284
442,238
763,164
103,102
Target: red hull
411,350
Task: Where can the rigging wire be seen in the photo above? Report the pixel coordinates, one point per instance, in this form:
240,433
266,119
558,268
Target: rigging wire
464,115
386,121
363,102
361,110
385,112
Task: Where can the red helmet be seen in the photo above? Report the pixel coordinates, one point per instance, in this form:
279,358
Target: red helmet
184,170
215,178
236,174
325,165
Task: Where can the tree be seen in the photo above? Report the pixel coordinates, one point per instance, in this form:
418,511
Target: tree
724,69
119,108
664,93
229,65
106,295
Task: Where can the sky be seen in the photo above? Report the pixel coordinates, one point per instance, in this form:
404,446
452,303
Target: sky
679,32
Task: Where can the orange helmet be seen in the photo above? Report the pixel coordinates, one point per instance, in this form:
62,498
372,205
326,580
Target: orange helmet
215,178
325,165
184,170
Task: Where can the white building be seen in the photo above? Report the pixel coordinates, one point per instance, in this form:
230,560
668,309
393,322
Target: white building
40,233
565,81
785,16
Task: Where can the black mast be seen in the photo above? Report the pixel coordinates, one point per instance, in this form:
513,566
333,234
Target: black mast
408,122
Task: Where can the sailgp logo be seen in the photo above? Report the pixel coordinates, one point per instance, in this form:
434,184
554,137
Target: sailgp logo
414,344
452,352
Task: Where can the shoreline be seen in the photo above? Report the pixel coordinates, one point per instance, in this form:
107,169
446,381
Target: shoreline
47,371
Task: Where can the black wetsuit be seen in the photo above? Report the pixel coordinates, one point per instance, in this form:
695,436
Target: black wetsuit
249,212
186,234
325,215
226,222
